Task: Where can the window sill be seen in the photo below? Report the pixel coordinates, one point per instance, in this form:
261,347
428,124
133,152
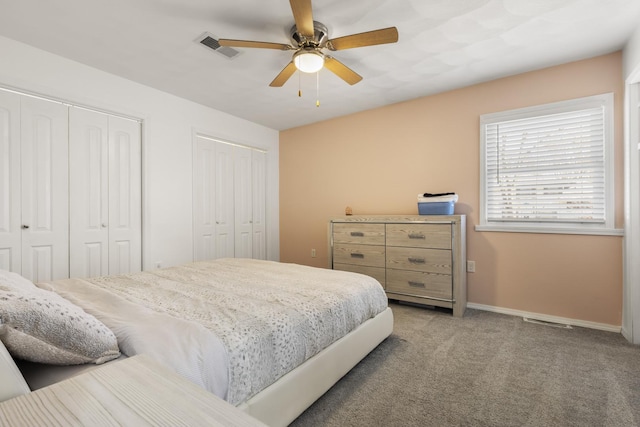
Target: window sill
513,228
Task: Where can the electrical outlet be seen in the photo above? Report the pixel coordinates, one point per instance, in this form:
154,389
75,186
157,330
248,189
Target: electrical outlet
313,253
471,266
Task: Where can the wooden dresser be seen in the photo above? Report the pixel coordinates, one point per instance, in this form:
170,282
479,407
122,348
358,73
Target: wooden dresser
416,258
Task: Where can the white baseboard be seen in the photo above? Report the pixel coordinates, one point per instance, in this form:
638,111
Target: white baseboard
546,318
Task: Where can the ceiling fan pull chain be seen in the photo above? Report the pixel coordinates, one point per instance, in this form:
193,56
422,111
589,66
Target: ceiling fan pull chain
318,89
299,85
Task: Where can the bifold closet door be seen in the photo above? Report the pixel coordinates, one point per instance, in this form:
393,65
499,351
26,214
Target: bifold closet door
105,194
88,187
259,204
213,208
250,203
44,135
224,209
229,200
125,196
243,202
203,199
10,221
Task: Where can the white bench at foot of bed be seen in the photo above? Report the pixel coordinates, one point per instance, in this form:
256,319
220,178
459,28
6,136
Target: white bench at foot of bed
136,391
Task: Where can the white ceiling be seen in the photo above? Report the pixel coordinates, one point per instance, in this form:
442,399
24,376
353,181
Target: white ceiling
443,44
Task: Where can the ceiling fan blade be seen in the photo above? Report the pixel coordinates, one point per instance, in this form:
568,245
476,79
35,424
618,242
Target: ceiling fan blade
341,70
304,18
284,75
370,38
248,43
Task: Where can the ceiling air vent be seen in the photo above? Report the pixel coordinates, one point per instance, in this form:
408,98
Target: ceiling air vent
211,42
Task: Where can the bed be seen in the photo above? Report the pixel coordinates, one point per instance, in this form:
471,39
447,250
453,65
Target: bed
268,337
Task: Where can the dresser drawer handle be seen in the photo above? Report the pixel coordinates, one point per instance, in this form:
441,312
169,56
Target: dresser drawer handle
417,260
416,284
357,234
354,255
417,236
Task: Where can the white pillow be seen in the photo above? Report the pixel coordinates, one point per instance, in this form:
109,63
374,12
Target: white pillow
41,326
12,383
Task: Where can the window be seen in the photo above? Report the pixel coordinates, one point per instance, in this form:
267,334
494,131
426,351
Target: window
548,168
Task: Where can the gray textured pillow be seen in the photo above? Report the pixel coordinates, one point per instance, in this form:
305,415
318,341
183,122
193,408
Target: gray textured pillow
41,326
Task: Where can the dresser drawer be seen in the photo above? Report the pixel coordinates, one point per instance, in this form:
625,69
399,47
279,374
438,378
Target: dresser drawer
420,284
370,255
436,236
417,259
377,273
367,234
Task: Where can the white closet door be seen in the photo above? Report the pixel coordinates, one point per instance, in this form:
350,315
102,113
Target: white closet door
258,205
224,201
89,193
243,202
229,200
105,200
45,201
125,196
10,231
203,199
213,199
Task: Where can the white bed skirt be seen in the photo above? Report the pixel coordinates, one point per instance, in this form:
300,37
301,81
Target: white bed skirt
282,402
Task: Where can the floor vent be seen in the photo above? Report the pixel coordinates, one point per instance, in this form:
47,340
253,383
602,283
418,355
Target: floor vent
546,323
212,43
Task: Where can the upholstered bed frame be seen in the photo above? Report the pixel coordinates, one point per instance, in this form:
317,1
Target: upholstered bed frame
277,405
272,366
282,402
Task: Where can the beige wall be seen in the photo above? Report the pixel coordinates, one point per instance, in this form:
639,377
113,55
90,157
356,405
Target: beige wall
378,161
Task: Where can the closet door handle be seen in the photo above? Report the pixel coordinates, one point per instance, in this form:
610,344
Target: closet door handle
25,226
104,225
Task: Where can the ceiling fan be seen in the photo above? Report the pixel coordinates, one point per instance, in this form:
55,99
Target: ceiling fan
309,39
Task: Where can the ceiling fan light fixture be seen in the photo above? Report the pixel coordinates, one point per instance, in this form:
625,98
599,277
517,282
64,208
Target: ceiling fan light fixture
308,61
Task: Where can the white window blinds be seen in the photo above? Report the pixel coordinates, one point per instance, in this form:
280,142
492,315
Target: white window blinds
548,167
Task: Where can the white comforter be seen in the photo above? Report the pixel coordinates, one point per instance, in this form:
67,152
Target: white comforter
233,326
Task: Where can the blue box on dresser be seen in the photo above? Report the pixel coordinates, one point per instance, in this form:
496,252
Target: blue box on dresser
436,208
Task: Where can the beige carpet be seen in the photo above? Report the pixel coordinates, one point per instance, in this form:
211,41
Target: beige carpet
486,369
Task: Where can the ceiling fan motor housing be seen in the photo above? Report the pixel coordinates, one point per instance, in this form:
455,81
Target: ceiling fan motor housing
320,36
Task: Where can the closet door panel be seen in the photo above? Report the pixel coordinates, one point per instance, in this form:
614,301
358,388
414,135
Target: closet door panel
243,203
45,202
203,199
258,203
10,231
89,193
224,201
125,195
